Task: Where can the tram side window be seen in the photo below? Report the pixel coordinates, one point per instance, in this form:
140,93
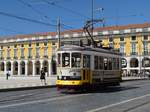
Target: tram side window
105,64
95,62
110,64
117,63
86,61
101,62
114,64
65,59
76,59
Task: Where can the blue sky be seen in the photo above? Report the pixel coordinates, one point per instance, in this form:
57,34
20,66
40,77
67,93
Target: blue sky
73,14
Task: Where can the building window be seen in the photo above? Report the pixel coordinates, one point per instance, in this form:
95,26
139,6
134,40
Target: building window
8,53
133,48
145,37
121,38
53,43
122,48
15,53
110,39
145,48
45,43
22,45
45,51
76,43
37,44
133,38
22,52
29,52
37,52
30,45
15,46
111,45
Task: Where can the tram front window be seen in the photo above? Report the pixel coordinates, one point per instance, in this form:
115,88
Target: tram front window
76,59
65,59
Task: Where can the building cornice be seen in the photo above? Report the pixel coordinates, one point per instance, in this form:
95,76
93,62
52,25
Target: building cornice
101,31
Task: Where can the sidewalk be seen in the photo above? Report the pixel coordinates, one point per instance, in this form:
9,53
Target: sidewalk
134,78
18,83
25,82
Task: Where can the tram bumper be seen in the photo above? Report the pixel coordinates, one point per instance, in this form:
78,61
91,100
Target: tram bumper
68,84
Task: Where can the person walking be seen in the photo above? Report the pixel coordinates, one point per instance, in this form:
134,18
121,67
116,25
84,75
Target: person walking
7,75
42,76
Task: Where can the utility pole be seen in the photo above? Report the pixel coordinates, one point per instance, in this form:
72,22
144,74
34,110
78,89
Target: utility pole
58,32
92,16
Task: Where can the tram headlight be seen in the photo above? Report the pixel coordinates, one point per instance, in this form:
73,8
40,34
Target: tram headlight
60,76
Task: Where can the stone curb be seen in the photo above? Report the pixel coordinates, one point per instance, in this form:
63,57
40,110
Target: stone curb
124,80
26,88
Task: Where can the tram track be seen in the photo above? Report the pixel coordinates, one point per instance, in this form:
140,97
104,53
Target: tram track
136,107
42,100
29,96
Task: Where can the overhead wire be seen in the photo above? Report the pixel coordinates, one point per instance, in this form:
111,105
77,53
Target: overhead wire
26,19
64,8
40,13
34,9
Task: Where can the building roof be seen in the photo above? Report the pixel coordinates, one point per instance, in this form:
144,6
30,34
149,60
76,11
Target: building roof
123,27
53,34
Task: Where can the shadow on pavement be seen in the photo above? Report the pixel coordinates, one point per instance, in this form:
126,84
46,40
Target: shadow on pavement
99,90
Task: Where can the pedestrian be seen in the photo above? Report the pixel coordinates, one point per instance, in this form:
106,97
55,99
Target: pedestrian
7,75
42,76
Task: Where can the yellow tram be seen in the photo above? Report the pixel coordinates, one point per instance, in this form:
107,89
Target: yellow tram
85,67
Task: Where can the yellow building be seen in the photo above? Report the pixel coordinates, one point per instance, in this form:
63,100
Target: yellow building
25,55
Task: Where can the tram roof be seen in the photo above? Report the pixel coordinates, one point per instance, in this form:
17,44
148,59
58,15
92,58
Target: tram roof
88,48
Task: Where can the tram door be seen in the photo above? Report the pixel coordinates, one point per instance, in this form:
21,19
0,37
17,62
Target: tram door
86,69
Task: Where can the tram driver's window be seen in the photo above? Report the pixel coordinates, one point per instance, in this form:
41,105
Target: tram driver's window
65,59
86,61
76,59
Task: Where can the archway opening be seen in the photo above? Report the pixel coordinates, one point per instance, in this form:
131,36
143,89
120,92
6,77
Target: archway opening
37,67
146,62
30,68
15,70
22,68
46,66
134,62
